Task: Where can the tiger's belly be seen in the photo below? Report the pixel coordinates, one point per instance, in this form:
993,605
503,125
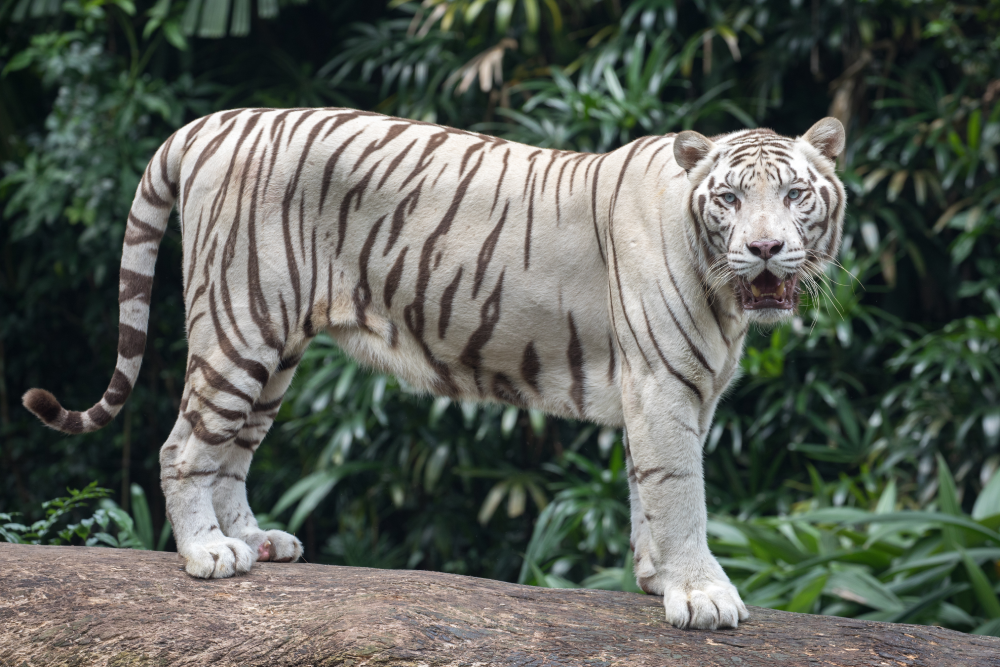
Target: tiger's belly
469,314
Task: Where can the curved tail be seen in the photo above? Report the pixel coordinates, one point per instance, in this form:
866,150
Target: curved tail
147,220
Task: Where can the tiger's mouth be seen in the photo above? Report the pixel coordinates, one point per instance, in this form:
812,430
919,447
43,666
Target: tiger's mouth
769,291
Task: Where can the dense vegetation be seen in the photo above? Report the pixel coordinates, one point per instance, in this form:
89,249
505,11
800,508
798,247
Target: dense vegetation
849,472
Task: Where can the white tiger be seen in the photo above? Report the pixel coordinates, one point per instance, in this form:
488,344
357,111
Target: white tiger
616,288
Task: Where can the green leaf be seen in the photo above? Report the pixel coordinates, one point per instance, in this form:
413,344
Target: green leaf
805,599
318,491
537,418
172,31
948,558
438,408
435,464
773,544
947,495
344,382
471,11
190,19
974,129
981,586
863,588
556,14
926,602
910,520
991,627
516,500
492,501
104,538
19,61
508,421
142,517
887,501
988,502
531,15
948,500
165,533
505,8
319,479
212,23
239,25
126,6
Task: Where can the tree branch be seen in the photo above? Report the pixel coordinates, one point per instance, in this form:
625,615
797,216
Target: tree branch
88,606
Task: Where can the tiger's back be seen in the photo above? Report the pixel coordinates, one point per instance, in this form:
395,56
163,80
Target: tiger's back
470,266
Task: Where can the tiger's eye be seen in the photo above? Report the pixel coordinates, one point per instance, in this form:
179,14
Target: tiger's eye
729,197
793,194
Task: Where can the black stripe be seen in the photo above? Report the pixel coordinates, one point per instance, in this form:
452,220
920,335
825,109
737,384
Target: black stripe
489,315
670,369
531,366
486,252
447,298
574,353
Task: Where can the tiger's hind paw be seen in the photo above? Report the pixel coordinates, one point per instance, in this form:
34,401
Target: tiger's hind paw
279,547
218,558
710,605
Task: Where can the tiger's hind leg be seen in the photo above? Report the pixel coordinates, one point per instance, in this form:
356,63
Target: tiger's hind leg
229,494
219,394
640,541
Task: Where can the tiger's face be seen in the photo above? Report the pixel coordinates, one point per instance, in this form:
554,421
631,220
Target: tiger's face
768,211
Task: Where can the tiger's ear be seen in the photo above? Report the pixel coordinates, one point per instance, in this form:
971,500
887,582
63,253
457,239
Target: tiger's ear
690,148
827,136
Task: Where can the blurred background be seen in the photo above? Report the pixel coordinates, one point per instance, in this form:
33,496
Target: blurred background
851,471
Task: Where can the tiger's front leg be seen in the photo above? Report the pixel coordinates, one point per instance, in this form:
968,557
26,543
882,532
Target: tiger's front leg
669,518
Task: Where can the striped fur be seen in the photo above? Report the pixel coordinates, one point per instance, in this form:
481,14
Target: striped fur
611,288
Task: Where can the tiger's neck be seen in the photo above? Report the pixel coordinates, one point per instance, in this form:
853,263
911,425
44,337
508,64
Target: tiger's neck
665,312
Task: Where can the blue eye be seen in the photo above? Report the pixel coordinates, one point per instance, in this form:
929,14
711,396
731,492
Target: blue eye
729,197
793,194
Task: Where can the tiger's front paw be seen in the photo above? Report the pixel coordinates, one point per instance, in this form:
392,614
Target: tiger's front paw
279,547
704,605
218,558
696,594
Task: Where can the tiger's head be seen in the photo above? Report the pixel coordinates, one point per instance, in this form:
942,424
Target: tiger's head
768,211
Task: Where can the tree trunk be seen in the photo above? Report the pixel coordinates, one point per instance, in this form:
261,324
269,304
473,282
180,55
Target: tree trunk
80,606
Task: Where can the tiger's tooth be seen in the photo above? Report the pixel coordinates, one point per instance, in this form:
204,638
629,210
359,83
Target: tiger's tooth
756,292
781,290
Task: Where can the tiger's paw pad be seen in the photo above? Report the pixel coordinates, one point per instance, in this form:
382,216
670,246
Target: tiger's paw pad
708,606
218,558
279,547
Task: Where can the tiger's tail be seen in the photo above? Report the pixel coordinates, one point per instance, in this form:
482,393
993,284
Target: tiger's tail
147,221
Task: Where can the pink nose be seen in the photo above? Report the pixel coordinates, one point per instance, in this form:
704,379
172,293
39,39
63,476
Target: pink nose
766,248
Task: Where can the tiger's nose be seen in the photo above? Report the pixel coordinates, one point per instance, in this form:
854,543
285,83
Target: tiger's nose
765,248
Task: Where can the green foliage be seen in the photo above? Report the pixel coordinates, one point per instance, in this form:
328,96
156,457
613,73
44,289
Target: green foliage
206,18
586,521
828,467
619,90
863,557
65,202
866,559
133,532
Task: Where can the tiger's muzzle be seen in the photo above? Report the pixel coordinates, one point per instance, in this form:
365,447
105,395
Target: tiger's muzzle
769,291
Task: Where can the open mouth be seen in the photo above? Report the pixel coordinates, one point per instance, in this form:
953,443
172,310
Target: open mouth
769,291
